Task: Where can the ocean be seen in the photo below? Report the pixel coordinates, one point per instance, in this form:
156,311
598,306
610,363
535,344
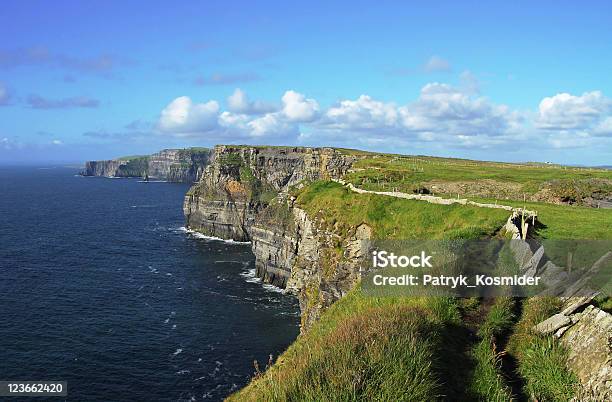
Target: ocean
102,286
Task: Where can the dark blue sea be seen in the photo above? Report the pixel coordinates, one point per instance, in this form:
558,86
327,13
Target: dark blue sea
102,287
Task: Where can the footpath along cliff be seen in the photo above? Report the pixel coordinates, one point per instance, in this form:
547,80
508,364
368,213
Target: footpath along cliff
244,194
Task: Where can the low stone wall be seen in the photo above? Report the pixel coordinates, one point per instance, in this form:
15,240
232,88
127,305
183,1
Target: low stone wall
586,332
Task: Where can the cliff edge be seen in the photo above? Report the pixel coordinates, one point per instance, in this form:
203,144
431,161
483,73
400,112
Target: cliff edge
174,165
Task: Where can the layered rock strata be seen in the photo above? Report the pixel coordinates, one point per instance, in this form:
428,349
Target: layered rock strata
175,165
243,195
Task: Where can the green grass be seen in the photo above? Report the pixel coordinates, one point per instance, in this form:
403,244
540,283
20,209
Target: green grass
366,349
395,218
134,167
542,360
130,157
487,179
565,221
488,382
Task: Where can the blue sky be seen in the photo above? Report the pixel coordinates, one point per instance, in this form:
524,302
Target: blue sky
508,81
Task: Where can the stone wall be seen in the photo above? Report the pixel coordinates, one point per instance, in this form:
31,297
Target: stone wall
586,333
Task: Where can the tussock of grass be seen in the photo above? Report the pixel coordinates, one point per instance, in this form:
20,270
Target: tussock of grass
542,361
488,383
364,349
499,319
395,218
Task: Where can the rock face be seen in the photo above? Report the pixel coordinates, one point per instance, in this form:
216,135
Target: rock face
586,333
101,168
178,165
242,195
175,165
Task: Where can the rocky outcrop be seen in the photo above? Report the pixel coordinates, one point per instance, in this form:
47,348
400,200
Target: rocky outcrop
101,168
243,195
327,266
240,182
178,165
175,165
586,333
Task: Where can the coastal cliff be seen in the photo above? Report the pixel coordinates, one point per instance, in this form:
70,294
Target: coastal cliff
244,195
175,165
309,230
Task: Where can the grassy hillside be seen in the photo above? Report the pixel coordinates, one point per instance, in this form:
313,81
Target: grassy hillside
414,349
424,349
567,221
452,177
394,218
369,349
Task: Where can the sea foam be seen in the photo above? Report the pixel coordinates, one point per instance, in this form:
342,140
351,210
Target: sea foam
199,235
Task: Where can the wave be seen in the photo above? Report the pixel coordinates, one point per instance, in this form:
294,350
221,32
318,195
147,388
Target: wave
251,277
199,235
177,352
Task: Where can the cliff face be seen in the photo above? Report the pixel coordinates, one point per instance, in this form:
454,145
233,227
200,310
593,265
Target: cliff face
178,165
175,165
101,168
241,181
242,195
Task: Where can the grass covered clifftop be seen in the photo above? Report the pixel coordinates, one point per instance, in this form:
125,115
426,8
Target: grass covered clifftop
394,218
421,349
366,349
424,349
495,180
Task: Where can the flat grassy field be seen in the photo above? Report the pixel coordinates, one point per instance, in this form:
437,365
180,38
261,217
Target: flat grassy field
461,177
566,221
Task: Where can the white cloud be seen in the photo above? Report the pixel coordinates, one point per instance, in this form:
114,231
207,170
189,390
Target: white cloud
299,109
233,120
272,124
442,116
604,128
446,109
569,112
239,102
362,113
436,64
56,142
182,116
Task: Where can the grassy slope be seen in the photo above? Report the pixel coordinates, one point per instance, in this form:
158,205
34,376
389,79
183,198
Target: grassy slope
408,172
397,349
487,381
567,222
377,348
366,348
394,218
541,359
